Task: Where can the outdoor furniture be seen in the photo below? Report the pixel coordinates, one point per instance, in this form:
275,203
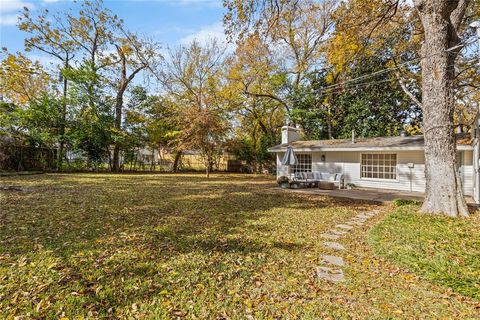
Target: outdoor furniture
335,178
316,178
326,185
305,178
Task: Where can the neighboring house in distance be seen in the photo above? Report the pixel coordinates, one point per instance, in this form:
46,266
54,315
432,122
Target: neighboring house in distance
190,159
396,163
147,158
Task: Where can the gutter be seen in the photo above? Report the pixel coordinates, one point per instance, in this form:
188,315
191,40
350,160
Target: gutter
272,150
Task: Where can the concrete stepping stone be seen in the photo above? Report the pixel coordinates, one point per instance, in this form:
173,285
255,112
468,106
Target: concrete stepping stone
357,223
358,219
330,274
333,245
363,216
327,235
332,260
344,226
337,232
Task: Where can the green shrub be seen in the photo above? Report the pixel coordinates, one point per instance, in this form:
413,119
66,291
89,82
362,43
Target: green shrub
406,202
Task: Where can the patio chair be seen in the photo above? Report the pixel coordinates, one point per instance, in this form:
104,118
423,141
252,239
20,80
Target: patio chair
335,178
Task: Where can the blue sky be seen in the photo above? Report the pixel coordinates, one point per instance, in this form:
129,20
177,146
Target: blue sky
168,21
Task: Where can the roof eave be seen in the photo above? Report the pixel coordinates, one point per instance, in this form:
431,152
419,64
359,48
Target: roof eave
320,149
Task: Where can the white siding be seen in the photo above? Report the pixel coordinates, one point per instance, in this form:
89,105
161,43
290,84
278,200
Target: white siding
281,170
348,163
467,173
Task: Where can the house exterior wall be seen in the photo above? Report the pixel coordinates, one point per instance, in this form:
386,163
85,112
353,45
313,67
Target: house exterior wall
467,174
348,163
281,169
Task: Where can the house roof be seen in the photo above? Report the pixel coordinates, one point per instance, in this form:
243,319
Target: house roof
464,142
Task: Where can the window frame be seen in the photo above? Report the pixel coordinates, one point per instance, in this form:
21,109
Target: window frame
395,171
308,167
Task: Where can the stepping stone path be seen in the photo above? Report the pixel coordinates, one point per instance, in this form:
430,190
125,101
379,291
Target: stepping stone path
333,245
363,217
330,274
355,223
337,232
331,266
344,226
331,236
332,260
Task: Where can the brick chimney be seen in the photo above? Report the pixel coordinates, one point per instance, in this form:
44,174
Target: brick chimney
290,134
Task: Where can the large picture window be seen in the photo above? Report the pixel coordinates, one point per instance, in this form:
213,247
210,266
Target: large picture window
379,166
304,163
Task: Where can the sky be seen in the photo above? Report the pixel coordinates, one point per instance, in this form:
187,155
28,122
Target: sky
170,22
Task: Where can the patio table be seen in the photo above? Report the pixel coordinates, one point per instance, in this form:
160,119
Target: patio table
326,185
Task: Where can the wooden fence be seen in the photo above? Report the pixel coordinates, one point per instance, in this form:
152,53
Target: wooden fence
25,158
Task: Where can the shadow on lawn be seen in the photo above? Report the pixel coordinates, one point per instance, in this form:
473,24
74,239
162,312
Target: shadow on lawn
130,224
86,212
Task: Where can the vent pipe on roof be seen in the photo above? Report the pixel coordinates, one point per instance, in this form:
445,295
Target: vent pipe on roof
353,136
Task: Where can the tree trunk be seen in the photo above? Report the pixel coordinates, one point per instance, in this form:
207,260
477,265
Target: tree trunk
152,163
176,162
443,193
135,160
208,167
118,126
110,164
61,150
122,87
329,122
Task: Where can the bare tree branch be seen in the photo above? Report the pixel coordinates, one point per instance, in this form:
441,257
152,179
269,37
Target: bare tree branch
457,15
406,90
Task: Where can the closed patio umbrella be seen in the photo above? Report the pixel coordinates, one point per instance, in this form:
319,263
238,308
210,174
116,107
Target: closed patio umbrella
289,159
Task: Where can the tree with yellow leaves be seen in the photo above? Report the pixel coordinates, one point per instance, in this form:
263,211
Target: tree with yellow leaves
368,25
193,79
22,80
295,32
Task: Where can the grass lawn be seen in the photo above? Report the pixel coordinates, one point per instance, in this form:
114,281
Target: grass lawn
443,250
174,246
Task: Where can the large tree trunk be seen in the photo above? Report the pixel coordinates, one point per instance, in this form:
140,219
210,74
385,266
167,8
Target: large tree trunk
122,87
61,152
176,162
118,126
444,193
